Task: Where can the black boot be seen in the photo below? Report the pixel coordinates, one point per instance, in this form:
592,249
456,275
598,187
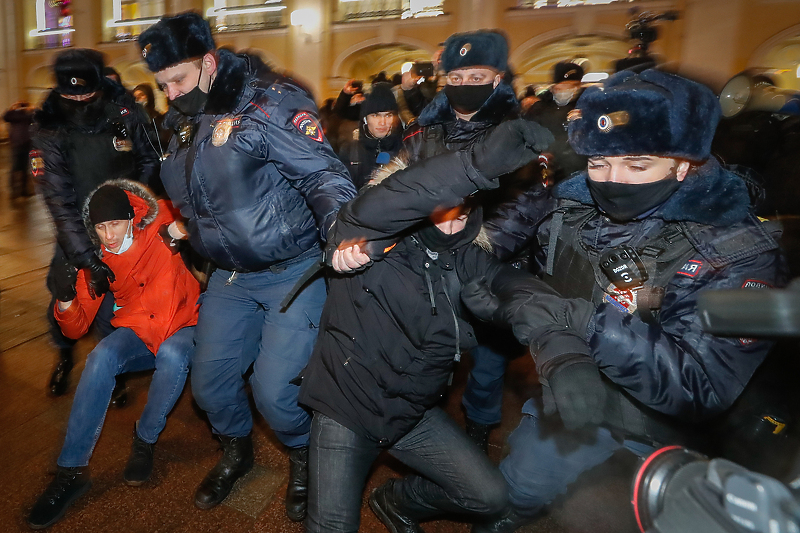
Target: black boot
479,434
389,509
68,485
507,522
297,491
140,463
120,395
59,381
236,461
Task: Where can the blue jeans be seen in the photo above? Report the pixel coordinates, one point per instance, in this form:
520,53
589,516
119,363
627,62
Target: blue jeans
483,395
545,458
455,476
241,324
122,351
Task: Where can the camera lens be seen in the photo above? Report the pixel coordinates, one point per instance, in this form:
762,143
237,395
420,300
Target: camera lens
659,473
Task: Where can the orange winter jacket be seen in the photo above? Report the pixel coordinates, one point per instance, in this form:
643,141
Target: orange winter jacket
155,295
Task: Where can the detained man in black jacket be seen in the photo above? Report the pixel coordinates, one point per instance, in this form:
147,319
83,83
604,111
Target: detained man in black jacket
376,140
392,329
88,130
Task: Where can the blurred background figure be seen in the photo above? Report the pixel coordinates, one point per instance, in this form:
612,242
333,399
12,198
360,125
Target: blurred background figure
377,139
551,111
19,117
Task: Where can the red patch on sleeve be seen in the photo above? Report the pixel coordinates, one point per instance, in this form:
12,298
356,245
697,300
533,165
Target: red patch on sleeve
691,268
308,126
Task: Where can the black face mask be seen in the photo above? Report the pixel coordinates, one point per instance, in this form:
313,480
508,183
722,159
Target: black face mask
468,98
193,102
624,202
85,113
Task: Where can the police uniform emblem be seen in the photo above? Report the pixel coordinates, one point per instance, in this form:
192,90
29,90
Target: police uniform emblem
222,130
464,49
606,123
622,299
37,163
145,50
308,126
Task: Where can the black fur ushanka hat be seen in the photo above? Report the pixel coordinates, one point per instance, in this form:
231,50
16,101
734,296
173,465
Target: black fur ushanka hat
651,113
173,40
475,49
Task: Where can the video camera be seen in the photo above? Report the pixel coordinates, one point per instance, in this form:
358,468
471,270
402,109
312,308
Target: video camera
677,490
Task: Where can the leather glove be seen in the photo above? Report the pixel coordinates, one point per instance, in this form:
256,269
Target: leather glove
99,276
64,276
169,241
511,145
576,391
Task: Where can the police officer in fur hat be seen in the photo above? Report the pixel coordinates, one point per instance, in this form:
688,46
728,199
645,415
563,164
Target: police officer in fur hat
627,246
88,130
259,187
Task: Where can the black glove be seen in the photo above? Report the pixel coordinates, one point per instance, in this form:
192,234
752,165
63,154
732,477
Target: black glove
63,278
542,310
480,300
577,392
511,145
98,276
171,242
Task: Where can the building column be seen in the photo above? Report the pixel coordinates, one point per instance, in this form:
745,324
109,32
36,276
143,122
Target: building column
307,18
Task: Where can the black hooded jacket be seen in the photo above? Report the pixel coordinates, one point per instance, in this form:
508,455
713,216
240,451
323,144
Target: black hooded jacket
360,155
389,335
69,161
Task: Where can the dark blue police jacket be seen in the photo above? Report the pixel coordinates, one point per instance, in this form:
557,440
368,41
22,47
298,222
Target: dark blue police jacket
253,174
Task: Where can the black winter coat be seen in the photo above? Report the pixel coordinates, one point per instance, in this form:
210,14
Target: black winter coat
389,335
359,155
262,184
69,161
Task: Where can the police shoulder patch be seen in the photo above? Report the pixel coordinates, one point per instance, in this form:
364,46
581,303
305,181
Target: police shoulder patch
308,126
37,163
691,268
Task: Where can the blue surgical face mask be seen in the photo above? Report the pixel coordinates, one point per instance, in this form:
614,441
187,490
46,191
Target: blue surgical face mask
127,240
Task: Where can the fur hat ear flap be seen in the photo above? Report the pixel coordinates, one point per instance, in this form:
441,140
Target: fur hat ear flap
651,113
173,40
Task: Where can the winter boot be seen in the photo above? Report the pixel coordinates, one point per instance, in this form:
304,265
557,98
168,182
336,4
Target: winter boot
140,463
509,521
120,395
237,460
297,491
59,381
68,485
479,434
389,508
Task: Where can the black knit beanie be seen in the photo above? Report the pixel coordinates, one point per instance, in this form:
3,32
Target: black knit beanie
380,99
109,203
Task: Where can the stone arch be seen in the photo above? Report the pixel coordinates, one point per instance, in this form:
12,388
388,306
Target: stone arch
404,49
533,60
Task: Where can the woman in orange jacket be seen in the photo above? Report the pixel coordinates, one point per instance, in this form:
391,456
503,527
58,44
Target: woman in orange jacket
156,302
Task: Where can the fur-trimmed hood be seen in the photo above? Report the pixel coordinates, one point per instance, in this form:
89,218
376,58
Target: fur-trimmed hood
51,116
397,164
143,201
498,106
710,195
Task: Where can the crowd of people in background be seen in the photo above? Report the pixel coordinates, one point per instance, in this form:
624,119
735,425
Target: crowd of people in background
337,261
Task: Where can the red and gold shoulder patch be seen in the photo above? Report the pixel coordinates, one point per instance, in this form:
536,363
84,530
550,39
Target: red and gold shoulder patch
308,126
37,163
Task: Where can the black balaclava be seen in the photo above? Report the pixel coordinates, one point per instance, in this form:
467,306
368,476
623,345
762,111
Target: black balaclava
624,202
468,98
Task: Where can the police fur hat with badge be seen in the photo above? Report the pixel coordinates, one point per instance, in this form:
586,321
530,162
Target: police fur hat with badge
176,39
79,72
650,113
486,48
